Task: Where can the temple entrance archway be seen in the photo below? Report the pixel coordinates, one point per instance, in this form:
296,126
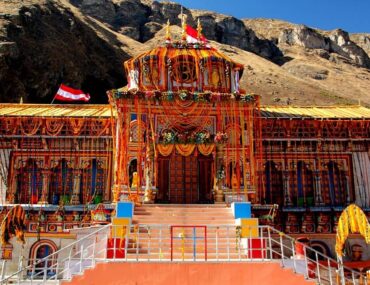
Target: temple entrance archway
185,179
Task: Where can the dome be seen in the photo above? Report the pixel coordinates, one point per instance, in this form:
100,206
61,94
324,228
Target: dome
181,66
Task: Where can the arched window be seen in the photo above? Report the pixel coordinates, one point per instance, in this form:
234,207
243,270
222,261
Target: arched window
38,252
29,183
61,182
274,193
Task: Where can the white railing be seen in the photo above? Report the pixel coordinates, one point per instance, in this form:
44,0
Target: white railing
166,243
66,262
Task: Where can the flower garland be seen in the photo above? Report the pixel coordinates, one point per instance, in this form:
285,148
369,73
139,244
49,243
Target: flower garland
184,95
202,137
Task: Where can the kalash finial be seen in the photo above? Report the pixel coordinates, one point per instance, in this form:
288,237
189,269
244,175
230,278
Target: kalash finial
199,30
168,32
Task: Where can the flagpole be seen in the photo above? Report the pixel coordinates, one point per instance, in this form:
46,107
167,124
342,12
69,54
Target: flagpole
52,101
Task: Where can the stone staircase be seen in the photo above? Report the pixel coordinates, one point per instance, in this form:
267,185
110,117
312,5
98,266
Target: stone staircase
172,214
199,232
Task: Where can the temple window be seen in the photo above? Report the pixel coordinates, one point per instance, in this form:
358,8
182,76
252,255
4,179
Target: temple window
333,179
132,168
273,184
93,181
134,130
151,72
216,76
303,184
61,183
29,183
184,72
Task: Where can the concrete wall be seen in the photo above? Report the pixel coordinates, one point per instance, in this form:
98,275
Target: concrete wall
189,273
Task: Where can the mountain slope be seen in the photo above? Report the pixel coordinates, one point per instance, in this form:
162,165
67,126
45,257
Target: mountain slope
84,42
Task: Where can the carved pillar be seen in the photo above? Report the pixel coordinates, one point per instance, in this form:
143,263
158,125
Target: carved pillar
13,188
348,194
318,194
220,173
45,174
76,187
287,199
148,195
117,155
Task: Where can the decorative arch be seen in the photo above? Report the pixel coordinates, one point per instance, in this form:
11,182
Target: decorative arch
40,250
352,220
320,247
234,134
134,131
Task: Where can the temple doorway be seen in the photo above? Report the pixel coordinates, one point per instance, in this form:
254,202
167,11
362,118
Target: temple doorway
185,179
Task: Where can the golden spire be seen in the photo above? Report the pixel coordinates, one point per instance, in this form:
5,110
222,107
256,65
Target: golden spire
199,29
168,31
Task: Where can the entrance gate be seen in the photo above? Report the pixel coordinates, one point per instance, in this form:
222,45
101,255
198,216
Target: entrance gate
185,179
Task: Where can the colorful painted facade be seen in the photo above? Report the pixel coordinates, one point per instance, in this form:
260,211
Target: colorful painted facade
183,131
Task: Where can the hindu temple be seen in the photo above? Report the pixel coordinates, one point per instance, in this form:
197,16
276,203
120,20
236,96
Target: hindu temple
181,135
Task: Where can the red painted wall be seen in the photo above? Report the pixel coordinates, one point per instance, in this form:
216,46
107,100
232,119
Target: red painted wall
188,273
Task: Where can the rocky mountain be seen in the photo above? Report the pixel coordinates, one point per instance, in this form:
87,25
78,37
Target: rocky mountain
84,42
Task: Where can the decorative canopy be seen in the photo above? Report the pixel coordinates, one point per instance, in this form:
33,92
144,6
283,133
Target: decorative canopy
181,66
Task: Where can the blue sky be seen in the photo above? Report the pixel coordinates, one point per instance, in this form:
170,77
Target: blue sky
350,15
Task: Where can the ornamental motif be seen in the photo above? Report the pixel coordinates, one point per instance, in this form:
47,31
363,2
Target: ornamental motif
172,137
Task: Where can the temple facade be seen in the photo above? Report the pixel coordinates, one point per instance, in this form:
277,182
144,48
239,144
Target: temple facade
183,132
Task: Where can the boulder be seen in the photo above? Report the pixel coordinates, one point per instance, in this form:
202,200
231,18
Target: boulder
305,37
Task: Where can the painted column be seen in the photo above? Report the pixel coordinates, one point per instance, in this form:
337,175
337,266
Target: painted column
318,195
13,188
348,194
148,195
45,174
117,156
287,199
220,173
76,188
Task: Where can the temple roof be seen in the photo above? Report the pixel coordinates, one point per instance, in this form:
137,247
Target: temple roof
47,110
179,66
101,111
315,112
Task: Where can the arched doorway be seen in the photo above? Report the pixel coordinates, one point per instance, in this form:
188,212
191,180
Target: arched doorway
132,168
38,252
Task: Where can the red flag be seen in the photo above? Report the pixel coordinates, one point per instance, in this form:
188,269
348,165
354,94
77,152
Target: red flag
192,35
66,93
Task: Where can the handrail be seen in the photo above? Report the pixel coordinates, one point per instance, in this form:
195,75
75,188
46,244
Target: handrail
46,259
218,243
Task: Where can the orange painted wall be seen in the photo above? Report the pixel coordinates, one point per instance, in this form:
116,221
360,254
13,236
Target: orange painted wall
188,273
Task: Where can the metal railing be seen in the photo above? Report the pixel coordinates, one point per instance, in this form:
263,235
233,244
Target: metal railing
166,243
66,262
